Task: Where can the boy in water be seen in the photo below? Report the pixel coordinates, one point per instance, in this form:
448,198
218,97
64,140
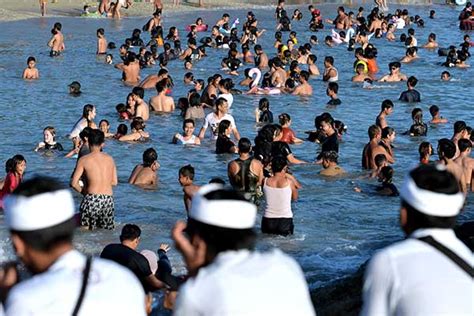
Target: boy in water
145,173
57,40
101,42
436,117
186,178
331,168
465,161
98,169
331,92
31,72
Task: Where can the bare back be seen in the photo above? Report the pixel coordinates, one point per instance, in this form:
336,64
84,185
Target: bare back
100,172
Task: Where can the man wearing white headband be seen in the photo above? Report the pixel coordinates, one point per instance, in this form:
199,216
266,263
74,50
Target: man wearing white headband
40,217
227,277
431,272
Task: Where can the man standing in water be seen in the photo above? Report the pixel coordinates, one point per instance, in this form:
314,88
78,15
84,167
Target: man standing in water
56,43
141,108
40,218
98,169
161,102
430,272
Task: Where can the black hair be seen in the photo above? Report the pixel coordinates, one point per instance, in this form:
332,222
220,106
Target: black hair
329,59
31,58
223,126
447,148
412,81
459,126
130,232
464,144
245,146
386,131
187,171
96,137
380,159
186,121
278,164
330,156
47,238
387,174
139,91
100,31
386,104
85,133
11,163
424,149
122,129
263,104
149,157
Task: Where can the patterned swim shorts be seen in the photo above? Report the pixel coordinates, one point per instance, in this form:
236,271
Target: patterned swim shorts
97,211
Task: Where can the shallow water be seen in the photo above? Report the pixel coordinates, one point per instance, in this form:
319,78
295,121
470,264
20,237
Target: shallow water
336,229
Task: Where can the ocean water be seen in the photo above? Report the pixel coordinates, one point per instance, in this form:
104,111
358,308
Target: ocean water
336,229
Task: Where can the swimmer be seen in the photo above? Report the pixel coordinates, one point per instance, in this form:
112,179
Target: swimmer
418,128
104,126
410,95
144,175
188,137
263,115
372,148
388,137
278,73
410,55
188,78
87,120
213,119
386,109
56,43
224,145
431,41
312,67
15,168
465,161
138,133
161,102
341,22
31,72
142,109
445,76
49,141
425,150
130,69
260,58
329,162
151,80
188,65
330,72
101,42
446,153
395,74
361,73
331,92
304,88
380,162
390,36
436,117
109,59
186,178
387,188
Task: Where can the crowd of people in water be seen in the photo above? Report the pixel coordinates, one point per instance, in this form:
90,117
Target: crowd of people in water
261,170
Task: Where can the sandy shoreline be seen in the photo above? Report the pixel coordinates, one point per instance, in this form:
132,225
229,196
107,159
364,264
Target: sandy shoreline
13,10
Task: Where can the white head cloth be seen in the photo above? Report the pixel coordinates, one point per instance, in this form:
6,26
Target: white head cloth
38,211
223,213
429,202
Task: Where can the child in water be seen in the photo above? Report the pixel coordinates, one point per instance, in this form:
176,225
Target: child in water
186,178
15,168
145,173
31,72
49,141
436,117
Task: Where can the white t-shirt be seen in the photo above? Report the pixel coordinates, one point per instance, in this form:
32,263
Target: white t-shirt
77,129
212,121
111,290
229,97
414,278
247,283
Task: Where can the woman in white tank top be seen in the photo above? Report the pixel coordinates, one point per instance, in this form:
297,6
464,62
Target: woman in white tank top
279,190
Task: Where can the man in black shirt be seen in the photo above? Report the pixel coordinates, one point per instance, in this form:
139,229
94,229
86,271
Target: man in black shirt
331,142
126,255
410,95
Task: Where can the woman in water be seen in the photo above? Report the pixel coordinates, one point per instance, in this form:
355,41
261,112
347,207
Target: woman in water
104,126
138,133
187,137
15,168
418,128
279,190
87,120
425,150
49,142
224,145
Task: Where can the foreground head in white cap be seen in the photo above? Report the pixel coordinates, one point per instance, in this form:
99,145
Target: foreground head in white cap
220,220
430,198
40,217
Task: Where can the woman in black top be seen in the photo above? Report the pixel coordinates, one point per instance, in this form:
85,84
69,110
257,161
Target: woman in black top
224,145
